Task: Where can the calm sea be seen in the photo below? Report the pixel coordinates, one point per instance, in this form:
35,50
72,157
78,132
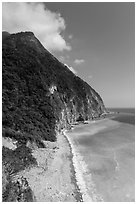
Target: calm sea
105,149
126,115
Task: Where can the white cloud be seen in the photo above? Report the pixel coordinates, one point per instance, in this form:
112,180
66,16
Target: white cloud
79,61
70,37
45,24
64,59
71,69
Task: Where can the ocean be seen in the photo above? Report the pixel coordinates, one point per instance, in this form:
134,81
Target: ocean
103,152
126,115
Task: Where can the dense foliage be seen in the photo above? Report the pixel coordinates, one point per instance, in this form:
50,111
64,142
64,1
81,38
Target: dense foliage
29,71
40,97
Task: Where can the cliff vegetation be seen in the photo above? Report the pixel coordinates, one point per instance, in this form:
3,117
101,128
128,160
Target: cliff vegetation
41,96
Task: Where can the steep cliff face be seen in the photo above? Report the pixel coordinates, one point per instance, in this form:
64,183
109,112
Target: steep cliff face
40,94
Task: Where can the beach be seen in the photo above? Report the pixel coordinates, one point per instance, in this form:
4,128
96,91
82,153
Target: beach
53,180
88,163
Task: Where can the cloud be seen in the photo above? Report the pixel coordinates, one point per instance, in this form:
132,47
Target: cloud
71,69
45,24
70,37
79,61
64,59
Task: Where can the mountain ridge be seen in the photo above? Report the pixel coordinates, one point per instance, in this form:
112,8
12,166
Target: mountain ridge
41,97
35,67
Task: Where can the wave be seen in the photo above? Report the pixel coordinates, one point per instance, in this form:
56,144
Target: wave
81,171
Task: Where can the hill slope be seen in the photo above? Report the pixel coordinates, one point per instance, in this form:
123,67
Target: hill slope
41,96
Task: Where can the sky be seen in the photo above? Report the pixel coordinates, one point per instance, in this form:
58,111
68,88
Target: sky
95,39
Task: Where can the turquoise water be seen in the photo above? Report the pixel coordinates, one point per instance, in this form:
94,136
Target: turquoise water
107,147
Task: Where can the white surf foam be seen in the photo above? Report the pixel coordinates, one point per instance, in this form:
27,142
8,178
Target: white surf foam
81,170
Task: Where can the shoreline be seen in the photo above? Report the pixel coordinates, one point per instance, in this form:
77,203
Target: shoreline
80,167
61,174
53,179
78,173
77,192
77,161
81,172
84,181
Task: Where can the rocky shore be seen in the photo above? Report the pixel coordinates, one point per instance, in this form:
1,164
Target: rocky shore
53,179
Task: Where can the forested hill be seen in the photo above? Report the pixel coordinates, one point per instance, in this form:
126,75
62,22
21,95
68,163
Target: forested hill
40,94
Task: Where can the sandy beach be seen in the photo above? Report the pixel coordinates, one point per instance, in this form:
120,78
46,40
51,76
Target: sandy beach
68,171
53,180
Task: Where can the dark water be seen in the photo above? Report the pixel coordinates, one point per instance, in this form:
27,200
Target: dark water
126,115
123,110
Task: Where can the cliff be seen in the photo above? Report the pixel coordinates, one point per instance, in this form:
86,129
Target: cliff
41,96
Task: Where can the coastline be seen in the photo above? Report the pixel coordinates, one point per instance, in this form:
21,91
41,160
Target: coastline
89,190
81,169
78,173
77,193
53,179
61,174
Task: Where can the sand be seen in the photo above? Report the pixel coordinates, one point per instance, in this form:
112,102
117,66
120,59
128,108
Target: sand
62,174
53,180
